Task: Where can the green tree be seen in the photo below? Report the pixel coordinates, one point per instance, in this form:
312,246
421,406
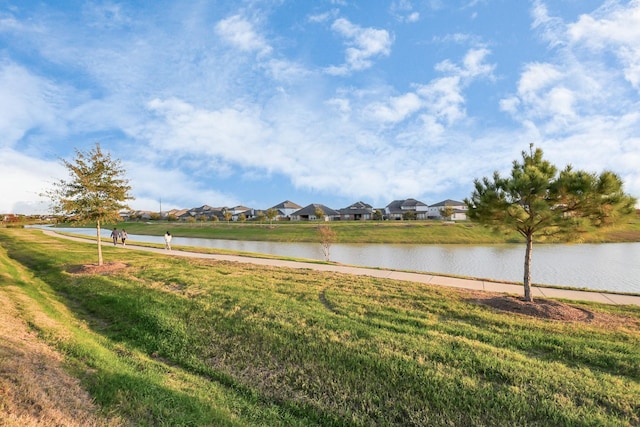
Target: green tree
409,215
319,213
271,214
536,200
446,212
96,190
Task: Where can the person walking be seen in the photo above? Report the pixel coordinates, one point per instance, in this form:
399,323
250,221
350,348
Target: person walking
114,236
123,237
167,241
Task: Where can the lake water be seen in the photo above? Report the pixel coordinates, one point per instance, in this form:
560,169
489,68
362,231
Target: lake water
608,267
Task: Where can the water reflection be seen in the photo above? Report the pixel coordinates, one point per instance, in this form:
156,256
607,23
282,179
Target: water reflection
612,266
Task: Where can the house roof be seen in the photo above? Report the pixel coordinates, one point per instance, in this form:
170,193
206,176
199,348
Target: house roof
412,203
395,205
357,208
447,202
311,210
204,208
287,205
403,205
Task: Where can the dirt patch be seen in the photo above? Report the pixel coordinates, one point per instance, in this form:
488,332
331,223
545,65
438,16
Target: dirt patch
106,268
35,389
542,308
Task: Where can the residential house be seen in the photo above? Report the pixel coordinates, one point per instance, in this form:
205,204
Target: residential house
203,213
137,215
358,211
285,209
458,210
236,211
173,214
399,209
308,213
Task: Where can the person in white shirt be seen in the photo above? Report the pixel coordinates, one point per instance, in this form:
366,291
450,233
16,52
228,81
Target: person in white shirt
167,240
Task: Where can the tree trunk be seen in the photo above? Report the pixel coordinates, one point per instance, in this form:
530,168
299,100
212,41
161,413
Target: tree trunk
99,243
527,269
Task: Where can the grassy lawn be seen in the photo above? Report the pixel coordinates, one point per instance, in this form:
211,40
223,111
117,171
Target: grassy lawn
171,341
415,232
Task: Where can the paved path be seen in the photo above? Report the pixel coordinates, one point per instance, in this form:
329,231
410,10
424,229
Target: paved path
479,285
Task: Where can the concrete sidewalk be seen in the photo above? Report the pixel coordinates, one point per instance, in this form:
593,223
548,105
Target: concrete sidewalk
479,285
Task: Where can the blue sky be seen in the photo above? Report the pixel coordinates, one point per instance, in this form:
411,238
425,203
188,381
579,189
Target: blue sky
256,102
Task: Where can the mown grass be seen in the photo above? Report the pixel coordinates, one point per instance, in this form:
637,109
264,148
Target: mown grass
413,232
191,342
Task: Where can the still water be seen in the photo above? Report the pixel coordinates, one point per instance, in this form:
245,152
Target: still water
609,267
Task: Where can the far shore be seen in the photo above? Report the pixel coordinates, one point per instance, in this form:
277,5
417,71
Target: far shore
392,232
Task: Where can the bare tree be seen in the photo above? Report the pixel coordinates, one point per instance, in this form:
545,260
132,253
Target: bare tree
327,238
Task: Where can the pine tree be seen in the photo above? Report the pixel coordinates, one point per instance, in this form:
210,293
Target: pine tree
536,200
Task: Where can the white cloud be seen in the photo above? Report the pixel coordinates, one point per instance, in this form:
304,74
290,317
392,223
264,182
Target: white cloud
543,94
241,33
324,17
342,105
313,149
397,109
578,105
510,105
233,134
536,77
403,11
286,71
364,44
442,98
34,177
178,188
27,102
577,84
473,65
614,28
551,28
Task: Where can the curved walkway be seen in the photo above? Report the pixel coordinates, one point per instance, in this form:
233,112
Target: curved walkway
475,284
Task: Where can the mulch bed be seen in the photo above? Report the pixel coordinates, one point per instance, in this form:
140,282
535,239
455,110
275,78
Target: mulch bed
540,308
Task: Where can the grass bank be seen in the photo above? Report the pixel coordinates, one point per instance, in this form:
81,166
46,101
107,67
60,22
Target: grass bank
413,232
172,341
